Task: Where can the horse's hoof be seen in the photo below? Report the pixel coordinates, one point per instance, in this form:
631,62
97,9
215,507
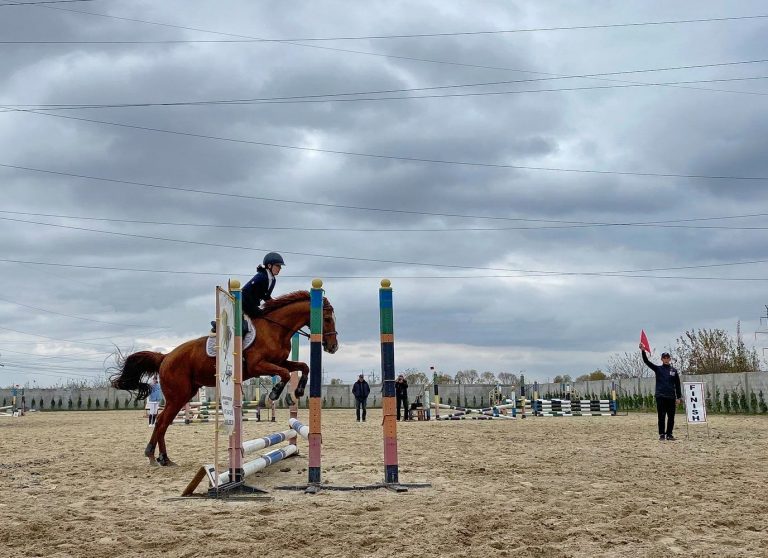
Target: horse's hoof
299,391
289,400
165,461
274,395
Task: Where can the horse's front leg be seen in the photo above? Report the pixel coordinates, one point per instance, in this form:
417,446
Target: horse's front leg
298,366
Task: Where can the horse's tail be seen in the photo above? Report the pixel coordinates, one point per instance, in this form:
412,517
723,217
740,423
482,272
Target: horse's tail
133,368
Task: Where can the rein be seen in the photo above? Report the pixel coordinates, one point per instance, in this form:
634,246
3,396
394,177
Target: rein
300,332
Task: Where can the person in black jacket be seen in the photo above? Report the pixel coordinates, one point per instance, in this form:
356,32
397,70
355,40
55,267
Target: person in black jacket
361,390
260,287
668,393
401,394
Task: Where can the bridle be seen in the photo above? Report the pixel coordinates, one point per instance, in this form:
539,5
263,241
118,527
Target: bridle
300,331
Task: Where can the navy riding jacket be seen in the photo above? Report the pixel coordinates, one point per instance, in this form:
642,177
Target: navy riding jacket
256,290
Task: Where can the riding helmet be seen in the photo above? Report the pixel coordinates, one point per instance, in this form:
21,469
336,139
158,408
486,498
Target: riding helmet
274,258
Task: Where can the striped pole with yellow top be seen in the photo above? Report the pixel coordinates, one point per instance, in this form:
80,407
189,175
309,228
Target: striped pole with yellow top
315,379
386,322
236,471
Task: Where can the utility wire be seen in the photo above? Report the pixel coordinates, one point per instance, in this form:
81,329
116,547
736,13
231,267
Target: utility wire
368,277
376,260
42,2
154,327
35,366
355,96
82,357
332,49
392,157
560,224
52,338
431,35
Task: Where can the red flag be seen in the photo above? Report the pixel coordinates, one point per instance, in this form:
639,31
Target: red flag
644,341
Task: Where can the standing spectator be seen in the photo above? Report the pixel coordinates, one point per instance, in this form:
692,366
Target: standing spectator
401,393
153,400
668,393
361,390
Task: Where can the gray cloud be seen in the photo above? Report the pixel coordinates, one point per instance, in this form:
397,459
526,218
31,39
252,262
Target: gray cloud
545,325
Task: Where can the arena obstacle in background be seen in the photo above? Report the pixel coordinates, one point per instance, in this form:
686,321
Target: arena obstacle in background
500,408
17,408
573,407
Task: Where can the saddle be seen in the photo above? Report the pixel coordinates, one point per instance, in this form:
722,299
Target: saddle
249,335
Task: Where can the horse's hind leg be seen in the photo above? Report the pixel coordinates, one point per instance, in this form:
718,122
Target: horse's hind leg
172,407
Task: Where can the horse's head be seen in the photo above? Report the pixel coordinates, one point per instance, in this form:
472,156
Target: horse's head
330,343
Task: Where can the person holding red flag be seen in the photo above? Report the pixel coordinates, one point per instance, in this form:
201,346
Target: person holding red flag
668,392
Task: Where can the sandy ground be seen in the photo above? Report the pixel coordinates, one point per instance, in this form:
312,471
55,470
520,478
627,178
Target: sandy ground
77,484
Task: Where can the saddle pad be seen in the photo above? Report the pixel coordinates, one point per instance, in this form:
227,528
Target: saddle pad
210,344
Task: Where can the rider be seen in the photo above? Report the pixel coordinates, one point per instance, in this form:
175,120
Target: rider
260,287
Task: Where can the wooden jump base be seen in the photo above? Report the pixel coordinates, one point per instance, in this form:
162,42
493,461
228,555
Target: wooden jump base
251,467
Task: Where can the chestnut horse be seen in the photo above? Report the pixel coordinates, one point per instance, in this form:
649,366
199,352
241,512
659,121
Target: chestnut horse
188,367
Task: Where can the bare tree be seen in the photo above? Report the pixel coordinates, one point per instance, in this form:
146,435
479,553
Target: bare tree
488,378
467,377
508,378
627,365
414,377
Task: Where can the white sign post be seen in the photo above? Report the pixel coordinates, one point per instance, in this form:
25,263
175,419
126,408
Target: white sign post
695,408
225,357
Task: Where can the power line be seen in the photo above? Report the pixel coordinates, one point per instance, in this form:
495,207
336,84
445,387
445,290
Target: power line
350,96
412,35
399,277
393,157
35,366
79,317
560,224
51,338
42,2
83,357
376,260
326,48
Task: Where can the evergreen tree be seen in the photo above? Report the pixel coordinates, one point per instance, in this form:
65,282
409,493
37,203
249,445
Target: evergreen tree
753,403
726,402
762,405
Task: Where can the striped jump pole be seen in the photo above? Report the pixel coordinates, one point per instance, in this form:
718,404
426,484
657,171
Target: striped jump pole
232,481
386,321
389,421
437,395
314,437
293,408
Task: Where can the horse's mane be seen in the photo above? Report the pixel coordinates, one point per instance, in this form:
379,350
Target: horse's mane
282,301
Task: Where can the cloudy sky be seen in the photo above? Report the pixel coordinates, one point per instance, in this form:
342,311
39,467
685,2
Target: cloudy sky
529,219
